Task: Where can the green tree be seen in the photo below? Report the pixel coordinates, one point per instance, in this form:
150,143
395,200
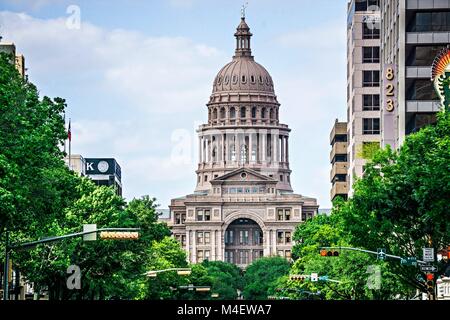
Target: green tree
358,272
32,171
162,255
401,203
261,276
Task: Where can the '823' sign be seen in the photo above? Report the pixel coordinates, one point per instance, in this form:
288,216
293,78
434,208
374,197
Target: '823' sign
390,90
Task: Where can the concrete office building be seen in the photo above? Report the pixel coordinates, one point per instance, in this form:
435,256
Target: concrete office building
243,207
413,32
102,171
363,85
10,48
339,160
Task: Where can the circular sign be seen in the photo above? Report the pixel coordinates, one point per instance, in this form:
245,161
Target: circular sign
103,166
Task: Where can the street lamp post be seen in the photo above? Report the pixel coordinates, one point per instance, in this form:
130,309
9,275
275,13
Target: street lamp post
180,272
27,245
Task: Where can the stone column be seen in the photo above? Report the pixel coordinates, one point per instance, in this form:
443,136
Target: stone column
220,252
204,149
274,149
282,148
213,245
188,243
194,246
222,148
287,149
199,149
237,148
266,241
274,242
250,147
263,146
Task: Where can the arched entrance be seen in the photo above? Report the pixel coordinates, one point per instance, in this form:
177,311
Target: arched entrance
243,242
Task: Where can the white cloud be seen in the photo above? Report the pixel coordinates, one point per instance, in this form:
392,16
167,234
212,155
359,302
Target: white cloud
144,71
127,90
328,36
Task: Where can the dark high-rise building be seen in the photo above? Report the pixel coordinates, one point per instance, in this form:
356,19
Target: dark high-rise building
104,172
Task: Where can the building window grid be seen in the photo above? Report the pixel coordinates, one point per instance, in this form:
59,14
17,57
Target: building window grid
284,237
371,125
371,54
371,78
203,215
371,102
284,214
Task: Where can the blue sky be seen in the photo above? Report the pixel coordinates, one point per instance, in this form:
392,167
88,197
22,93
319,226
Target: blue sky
137,75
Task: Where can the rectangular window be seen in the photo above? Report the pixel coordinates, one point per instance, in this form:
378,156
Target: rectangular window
423,56
287,254
207,215
280,236
287,214
199,215
371,54
287,237
199,256
207,237
371,30
371,126
177,218
256,237
280,253
229,237
183,240
340,158
199,237
421,89
280,214
207,255
371,102
430,22
371,78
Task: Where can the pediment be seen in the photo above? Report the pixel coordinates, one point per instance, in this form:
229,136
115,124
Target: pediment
243,174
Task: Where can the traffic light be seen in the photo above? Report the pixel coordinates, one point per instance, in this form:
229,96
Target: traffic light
430,283
119,235
329,253
298,277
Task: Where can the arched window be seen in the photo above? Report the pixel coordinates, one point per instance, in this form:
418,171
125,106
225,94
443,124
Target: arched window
263,113
233,152
214,154
272,114
215,113
232,112
254,112
244,153
242,112
252,78
222,113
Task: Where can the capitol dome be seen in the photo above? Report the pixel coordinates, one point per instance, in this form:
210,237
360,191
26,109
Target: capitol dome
243,73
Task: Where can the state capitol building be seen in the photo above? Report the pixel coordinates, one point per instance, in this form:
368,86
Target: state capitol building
243,206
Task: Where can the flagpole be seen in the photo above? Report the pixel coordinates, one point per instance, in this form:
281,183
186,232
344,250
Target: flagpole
70,147
65,140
